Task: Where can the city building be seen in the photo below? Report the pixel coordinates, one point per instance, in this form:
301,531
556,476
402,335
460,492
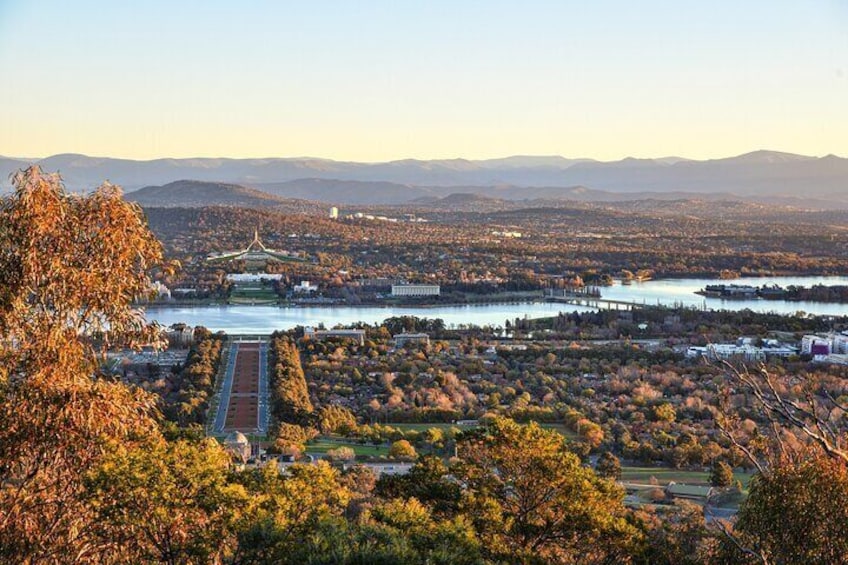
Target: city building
742,350
404,338
320,335
305,287
815,345
180,336
162,291
253,277
416,290
255,255
334,213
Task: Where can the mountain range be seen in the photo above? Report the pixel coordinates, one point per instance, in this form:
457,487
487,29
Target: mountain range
760,175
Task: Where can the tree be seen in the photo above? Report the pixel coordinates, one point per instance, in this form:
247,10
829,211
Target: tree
530,498
664,413
402,449
430,540
428,482
796,511
608,466
291,439
343,453
590,432
70,267
336,420
721,474
290,401
678,535
287,510
170,503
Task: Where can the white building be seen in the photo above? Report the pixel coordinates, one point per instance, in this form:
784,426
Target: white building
162,291
252,277
404,338
238,445
839,344
416,290
305,287
743,351
334,213
387,468
320,335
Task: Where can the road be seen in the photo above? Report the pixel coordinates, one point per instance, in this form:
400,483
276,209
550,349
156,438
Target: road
226,391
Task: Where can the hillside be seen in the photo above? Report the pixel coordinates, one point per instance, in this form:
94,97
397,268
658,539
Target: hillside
197,194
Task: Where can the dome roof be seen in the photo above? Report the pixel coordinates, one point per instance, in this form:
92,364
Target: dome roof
236,438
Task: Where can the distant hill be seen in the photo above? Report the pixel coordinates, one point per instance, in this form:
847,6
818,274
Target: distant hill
465,202
8,166
760,174
346,191
198,194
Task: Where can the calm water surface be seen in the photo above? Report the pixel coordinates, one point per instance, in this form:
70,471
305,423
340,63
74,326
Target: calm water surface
265,319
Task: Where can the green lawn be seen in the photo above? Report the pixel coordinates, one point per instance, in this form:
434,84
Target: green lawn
264,293
666,475
561,429
322,445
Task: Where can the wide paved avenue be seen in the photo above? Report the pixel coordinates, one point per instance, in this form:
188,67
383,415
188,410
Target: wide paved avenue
244,392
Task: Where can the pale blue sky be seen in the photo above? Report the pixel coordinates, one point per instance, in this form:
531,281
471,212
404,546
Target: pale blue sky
393,79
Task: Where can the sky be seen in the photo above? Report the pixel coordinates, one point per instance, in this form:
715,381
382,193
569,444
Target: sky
381,80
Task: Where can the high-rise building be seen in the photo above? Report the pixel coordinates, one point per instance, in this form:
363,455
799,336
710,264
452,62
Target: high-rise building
334,213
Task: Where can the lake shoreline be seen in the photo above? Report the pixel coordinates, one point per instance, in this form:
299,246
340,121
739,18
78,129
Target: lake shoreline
663,292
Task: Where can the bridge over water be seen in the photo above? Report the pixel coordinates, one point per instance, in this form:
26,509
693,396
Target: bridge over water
590,300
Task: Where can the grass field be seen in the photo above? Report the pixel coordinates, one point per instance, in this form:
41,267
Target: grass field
666,475
322,445
561,429
247,294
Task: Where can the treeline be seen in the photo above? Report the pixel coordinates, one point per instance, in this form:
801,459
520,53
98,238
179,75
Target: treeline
292,410
816,293
689,323
192,386
413,324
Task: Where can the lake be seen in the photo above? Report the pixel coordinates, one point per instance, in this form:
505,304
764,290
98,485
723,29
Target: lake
265,319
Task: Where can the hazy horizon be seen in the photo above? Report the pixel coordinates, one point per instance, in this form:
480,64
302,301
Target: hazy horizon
420,158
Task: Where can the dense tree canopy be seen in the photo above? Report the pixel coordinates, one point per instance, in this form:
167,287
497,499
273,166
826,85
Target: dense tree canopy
530,497
70,267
